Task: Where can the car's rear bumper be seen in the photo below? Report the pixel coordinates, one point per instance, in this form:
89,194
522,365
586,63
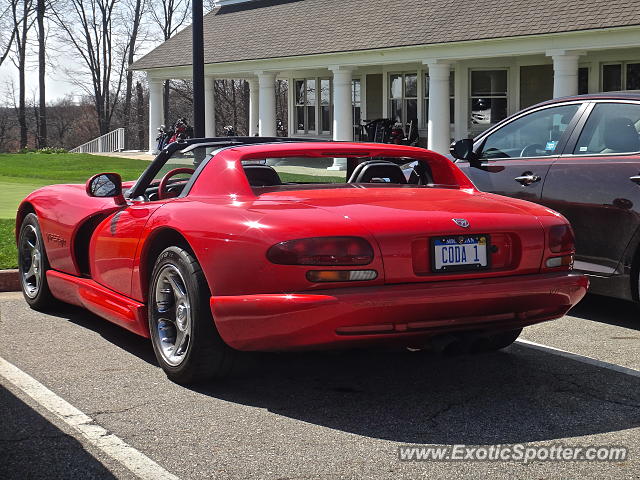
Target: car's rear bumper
405,314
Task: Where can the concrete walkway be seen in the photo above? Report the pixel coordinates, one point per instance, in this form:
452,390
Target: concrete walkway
135,154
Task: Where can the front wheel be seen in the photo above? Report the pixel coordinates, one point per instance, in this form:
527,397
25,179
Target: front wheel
33,265
184,337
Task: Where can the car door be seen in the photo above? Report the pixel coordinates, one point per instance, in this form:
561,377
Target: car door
114,244
596,184
514,158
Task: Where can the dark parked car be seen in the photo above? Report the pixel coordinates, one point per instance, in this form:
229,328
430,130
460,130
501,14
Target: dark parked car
579,156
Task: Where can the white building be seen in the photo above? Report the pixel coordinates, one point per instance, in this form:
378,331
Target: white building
453,67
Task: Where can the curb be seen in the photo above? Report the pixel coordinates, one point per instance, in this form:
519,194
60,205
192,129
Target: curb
9,281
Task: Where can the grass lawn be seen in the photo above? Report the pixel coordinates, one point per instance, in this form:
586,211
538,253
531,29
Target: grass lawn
8,252
20,174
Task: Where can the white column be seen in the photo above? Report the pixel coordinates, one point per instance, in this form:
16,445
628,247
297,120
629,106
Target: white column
439,115
254,95
209,107
461,102
342,110
565,73
267,104
156,112
342,104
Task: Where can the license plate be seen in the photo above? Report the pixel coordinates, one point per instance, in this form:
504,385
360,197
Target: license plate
460,252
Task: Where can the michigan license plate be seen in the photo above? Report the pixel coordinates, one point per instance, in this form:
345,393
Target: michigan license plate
460,252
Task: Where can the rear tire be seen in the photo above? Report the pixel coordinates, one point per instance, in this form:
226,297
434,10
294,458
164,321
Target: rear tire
184,337
33,265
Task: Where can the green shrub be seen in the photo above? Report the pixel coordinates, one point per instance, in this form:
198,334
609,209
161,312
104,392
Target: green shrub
46,150
51,150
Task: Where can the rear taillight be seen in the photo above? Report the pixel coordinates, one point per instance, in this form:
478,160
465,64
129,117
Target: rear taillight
322,251
561,239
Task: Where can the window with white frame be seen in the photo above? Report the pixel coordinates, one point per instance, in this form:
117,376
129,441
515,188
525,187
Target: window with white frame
306,100
620,76
325,105
488,97
313,105
452,82
403,97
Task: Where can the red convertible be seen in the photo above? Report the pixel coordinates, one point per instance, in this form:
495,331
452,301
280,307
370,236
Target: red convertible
261,247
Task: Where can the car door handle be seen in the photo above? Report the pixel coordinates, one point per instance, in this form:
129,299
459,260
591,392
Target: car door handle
527,178
635,179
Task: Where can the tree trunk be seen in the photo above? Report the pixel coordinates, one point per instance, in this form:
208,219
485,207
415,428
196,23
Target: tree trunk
22,64
129,85
140,115
126,121
245,105
235,106
42,108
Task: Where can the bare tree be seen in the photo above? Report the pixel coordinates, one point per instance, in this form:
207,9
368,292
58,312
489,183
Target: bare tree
7,24
232,106
6,122
170,16
42,104
89,28
282,108
135,10
22,13
140,111
71,121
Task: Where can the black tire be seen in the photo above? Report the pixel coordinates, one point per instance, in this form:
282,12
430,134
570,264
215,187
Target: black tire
498,341
32,257
201,354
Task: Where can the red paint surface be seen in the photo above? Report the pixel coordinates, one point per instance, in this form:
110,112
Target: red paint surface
409,313
229,228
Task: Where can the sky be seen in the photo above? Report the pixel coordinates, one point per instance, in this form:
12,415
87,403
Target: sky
57,87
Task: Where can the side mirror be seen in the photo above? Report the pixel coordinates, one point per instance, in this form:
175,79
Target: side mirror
106,185
463,150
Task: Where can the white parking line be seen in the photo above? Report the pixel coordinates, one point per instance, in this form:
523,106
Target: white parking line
114,447
579,358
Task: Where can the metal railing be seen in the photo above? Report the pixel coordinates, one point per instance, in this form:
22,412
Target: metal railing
109,142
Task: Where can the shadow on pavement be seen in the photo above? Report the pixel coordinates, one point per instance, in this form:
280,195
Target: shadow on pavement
517,395
608,310
132,343
32,447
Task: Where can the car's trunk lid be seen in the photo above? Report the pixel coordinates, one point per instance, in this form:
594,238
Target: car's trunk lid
405,220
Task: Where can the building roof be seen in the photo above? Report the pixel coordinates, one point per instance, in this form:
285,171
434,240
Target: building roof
282,28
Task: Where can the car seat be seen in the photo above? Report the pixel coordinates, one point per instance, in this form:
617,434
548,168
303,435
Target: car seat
378,171
261,175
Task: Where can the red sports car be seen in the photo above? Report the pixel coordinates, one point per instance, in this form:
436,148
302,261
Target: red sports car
261,247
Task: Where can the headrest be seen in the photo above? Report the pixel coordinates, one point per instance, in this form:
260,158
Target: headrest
373,171
261,175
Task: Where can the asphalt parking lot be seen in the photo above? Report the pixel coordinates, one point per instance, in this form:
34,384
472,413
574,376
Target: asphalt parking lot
322,415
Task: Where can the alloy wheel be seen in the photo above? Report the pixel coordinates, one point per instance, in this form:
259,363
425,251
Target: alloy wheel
30,261
172,324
